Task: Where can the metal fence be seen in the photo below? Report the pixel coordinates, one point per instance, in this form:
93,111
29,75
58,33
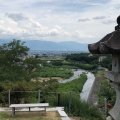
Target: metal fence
23,96
54,98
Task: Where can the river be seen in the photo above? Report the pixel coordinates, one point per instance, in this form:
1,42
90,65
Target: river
88,84
75,75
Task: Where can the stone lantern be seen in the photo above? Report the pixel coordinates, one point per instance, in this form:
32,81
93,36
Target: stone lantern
110,44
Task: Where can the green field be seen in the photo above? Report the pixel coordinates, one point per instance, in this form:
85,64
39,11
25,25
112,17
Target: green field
53,71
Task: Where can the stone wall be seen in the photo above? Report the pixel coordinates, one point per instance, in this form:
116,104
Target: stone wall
93,97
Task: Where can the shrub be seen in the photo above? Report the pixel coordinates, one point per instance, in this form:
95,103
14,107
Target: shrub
74,106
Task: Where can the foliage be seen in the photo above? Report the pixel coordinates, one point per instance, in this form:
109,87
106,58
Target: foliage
17,89
87,66
32,65
13,66
45,87
89,61
106,91
26,92
81,65
16,71
73,105
53,71
83,58
74,86
107,62
57,63
11,53
71,102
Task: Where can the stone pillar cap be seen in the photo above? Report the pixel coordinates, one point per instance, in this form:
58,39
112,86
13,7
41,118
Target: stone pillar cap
110,44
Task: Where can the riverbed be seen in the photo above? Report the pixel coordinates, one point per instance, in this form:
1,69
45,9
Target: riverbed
76,74
88,84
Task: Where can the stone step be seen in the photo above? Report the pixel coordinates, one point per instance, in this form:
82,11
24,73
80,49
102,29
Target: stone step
63,115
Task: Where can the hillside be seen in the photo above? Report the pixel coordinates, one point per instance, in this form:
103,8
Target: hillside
53,46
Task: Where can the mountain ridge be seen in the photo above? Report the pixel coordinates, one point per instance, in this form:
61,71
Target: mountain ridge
53,46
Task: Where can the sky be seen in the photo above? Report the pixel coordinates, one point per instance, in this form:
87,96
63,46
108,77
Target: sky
83,21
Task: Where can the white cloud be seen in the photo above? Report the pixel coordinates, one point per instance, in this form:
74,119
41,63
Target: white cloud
54,32
87,21
27,28
83,20
99,17
16,16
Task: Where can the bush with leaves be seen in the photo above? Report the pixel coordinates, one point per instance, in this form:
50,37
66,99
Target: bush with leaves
106,91
13,63
74,106
17,92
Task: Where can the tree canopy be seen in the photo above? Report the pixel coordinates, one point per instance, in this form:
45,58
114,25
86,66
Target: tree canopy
14,63
90,61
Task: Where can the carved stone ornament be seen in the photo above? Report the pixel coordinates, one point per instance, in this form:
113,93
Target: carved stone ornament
109,44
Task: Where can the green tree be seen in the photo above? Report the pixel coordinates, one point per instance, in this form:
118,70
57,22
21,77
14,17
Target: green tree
14,64
12,53
107,62
32,65
19,91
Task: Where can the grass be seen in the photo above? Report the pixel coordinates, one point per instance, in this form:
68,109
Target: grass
74,86
52,71
76,107
30,116
100,73
72,103
56,57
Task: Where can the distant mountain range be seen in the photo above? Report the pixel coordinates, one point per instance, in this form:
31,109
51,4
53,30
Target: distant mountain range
53,46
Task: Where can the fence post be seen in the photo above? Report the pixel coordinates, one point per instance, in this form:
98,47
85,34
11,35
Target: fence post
58,99
105,106
9,97
39,96
70,103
